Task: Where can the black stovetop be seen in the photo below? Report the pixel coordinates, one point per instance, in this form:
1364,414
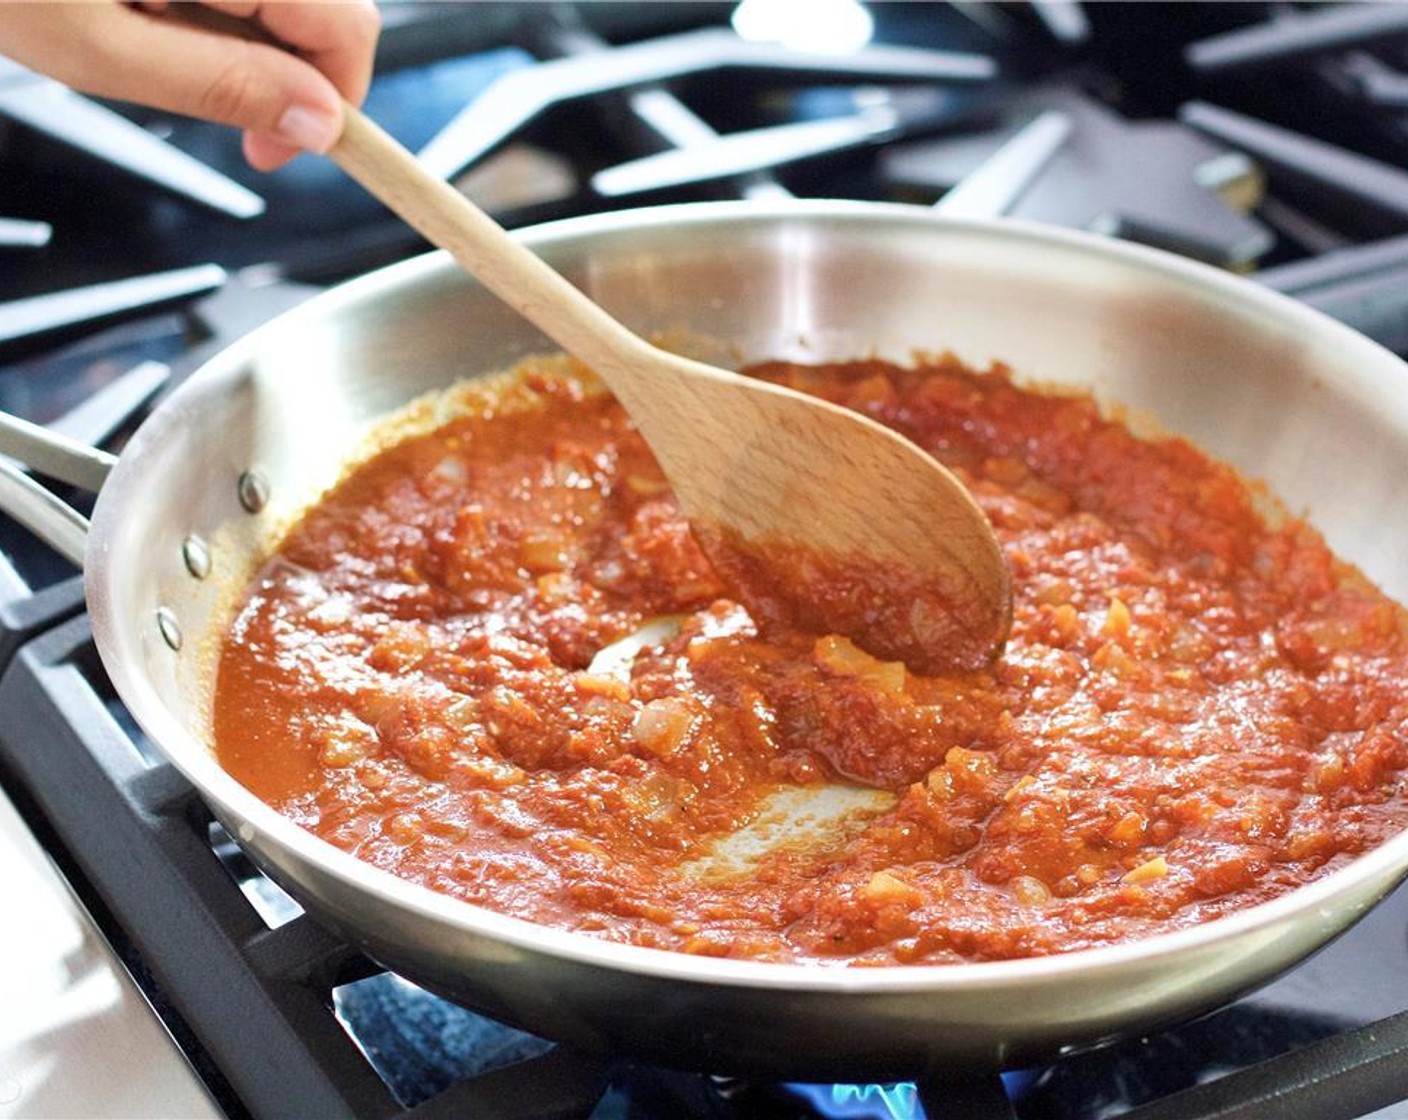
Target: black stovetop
1264,137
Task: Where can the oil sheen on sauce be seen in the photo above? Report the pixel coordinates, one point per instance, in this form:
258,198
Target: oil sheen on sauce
1196,710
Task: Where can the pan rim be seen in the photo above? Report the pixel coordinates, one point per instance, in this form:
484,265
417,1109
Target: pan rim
1323,898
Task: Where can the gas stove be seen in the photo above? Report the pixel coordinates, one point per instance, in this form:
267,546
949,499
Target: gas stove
1264,138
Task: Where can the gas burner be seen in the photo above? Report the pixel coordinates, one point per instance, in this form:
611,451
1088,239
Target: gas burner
588,68
1365,286
54,312
49,108
1150,181
1291,36
16,233
1378,191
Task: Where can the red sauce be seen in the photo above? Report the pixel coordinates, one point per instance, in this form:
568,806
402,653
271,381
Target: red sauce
1195,711
891,611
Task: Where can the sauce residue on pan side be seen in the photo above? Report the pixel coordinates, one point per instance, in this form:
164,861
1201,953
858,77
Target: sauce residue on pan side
1196,710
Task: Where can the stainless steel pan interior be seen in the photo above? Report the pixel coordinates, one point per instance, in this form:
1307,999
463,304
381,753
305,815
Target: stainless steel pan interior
1287,396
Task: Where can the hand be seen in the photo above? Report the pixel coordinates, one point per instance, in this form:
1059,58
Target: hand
156,54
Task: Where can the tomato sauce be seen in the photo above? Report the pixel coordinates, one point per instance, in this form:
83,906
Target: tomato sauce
1197,709
932,622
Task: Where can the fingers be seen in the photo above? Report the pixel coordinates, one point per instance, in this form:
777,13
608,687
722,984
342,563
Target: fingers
285,101
265,152
203,73
338,39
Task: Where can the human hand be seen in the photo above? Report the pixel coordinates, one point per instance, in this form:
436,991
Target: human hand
154,53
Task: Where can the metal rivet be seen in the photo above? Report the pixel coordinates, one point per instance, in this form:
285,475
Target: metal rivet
169,627
254,491
196,554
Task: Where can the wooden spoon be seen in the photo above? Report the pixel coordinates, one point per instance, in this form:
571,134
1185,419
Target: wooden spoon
816,515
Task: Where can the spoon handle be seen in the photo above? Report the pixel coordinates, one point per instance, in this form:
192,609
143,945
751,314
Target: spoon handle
450,221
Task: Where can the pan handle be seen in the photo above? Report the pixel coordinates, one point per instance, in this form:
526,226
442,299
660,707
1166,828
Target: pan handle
52,520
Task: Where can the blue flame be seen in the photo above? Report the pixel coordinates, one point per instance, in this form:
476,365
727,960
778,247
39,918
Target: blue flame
863,1102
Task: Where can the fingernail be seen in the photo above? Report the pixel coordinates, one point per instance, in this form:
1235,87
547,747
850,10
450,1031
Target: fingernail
310,129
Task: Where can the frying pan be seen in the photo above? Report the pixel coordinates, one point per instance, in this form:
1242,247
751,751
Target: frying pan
1284,394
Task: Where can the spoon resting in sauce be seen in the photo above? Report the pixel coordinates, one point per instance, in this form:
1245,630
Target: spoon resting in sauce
815,515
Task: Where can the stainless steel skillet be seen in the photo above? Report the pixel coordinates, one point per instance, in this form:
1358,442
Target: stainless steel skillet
1286,395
